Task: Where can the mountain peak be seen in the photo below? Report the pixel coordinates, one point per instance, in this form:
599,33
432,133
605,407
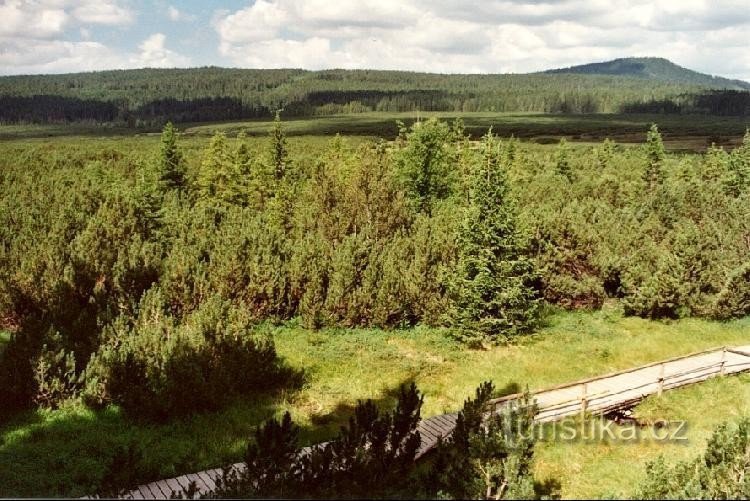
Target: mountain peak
654,68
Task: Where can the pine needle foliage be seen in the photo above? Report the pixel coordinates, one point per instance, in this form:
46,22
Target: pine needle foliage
495,291
278,148
653,176
721,472
372,456
171,169
487,456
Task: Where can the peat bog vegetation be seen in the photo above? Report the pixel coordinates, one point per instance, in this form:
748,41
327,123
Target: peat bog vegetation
168,294
66,452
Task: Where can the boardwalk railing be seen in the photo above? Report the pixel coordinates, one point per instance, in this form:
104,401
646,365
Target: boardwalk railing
617,390
597,395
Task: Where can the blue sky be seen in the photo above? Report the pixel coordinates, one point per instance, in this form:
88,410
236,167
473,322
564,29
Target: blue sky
185,24
492,36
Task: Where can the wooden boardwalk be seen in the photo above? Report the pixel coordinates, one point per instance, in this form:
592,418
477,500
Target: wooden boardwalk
596,395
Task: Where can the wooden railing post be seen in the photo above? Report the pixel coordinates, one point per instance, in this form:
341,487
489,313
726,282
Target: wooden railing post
722,369
661,380
584,399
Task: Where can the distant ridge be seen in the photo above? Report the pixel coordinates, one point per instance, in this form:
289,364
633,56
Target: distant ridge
653,68
149,97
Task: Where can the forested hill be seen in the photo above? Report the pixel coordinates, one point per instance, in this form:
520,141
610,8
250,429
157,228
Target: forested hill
653,68
150,97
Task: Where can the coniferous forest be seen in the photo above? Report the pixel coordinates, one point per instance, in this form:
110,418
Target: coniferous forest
151,97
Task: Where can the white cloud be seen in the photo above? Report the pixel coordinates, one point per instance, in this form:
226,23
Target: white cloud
35,38
47,19
60,56
32,19
154,54
422,35
177,15
488,36
107,12
55,56
261,21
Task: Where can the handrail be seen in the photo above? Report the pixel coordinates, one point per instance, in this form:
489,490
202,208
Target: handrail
514,396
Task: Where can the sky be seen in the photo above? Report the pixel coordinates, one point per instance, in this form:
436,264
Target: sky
489,36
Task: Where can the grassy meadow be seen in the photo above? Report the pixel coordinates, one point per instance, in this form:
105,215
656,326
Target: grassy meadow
65,452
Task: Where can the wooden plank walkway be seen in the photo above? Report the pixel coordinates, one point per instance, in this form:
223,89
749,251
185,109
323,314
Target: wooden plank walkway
596,395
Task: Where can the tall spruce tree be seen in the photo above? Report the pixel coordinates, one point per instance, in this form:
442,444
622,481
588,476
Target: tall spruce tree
715,163
424,164
496,292
218,177
738,178
604,153
654,173
171,171
562,160
279,153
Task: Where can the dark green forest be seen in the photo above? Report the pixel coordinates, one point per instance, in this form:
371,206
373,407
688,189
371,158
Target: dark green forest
151,97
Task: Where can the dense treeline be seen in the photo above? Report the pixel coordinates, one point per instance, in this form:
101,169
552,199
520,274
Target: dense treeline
717,103
151,97
142,277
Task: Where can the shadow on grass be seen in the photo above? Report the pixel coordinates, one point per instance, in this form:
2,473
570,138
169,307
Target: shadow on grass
76,451
344,410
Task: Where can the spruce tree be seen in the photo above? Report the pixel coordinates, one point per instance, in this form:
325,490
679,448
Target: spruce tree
562,164
605,153
487,456
242,157
279,153
218,177
738,179
654,174
495,293
171,172
424,163
715,164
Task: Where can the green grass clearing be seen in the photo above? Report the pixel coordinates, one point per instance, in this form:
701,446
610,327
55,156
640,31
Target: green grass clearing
65,452
690,133
614,469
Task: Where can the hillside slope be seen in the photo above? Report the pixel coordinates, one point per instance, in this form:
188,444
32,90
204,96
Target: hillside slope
149,97
653,68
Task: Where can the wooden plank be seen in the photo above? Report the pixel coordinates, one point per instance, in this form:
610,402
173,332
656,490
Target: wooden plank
429,428
434,427
200,486
208,482
183,481
214,475
448,418
145,493
612,374
445,422
157,490
172,485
